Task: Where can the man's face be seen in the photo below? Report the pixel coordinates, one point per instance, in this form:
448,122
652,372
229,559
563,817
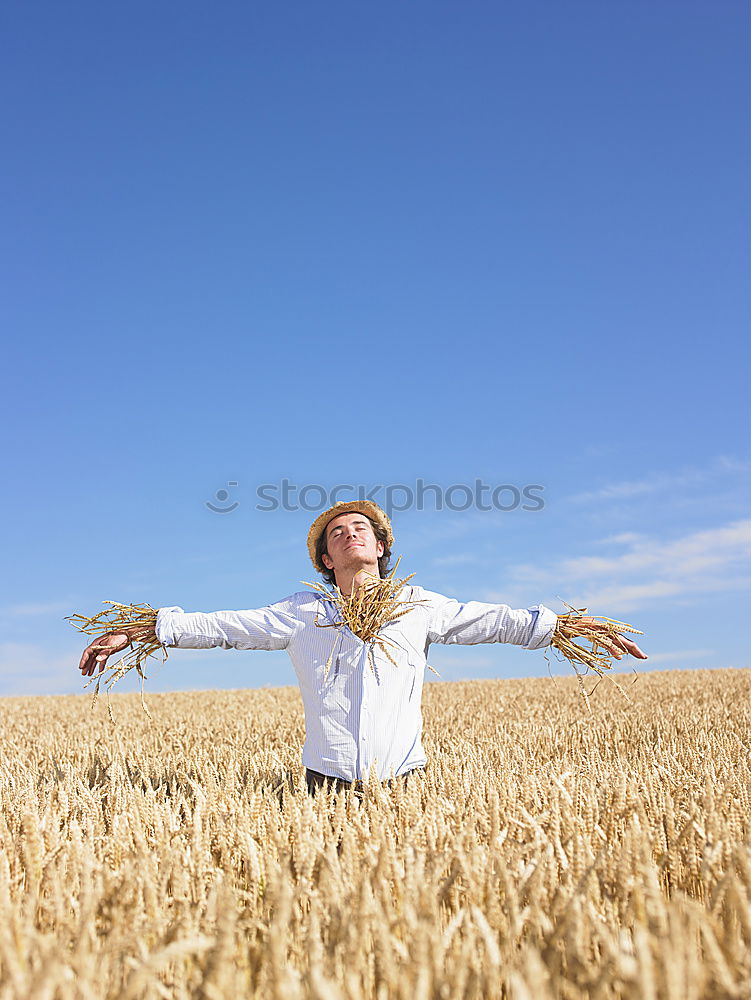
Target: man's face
351,543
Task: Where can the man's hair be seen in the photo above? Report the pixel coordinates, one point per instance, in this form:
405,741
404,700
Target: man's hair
383,562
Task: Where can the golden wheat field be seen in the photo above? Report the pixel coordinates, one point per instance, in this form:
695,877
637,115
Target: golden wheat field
545,852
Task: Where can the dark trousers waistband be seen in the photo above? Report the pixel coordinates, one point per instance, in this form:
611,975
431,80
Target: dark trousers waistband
315,780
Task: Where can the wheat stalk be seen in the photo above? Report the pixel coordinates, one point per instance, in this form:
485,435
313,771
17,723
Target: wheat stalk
367,610
139,620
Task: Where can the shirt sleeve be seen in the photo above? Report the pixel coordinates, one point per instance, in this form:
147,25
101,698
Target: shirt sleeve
451,621
271,627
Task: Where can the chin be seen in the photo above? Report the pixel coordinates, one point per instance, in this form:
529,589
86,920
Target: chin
359,560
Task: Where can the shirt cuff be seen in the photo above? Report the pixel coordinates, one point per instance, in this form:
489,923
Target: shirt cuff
543,628
164,628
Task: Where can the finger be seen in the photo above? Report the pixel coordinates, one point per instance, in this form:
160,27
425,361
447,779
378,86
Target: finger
91,656
608,643
629,646
635,651
86,665
86,659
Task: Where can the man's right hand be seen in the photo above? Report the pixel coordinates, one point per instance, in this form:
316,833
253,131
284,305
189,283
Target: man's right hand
98,652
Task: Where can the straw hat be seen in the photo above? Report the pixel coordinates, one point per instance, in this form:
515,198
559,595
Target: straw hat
367,507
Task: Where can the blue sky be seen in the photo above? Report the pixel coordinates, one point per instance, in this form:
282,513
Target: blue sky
370,244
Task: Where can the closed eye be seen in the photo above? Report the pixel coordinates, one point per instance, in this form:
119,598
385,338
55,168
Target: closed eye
338,531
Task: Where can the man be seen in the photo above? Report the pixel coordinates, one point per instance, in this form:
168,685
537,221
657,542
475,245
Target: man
363,714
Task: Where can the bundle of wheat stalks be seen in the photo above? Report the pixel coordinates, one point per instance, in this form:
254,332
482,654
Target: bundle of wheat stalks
367,610
139,620
596,630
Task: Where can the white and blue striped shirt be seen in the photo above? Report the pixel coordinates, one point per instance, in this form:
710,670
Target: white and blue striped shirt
359,717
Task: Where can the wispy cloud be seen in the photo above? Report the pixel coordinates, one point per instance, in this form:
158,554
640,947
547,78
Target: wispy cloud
728,463
630,488
680,655
664,481
624,538
458,559
713,560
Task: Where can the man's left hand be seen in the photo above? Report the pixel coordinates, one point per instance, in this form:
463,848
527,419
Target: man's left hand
615,644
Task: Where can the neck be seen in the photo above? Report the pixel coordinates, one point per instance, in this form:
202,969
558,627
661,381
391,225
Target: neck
348,580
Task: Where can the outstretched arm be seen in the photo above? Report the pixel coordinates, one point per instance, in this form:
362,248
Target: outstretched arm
533,628
452,621
270,627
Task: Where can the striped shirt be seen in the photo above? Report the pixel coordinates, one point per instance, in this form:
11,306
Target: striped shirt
365,714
